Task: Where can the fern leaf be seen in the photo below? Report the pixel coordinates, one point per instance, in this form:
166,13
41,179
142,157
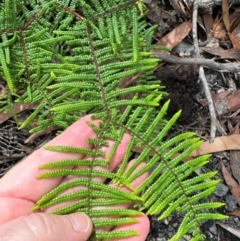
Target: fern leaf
71,58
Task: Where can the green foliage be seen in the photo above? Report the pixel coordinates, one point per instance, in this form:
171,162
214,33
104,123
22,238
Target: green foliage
74,57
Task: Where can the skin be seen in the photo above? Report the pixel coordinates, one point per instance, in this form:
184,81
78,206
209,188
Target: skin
19,191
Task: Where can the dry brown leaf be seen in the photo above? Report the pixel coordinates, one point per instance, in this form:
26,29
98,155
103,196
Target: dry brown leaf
234,101
235,164
222,143
235,157
17,108
236,212
216,98
41,133
235,40
208,22
218,31
225,12
232,184
176,36
220,101
234,19
220,95
227,54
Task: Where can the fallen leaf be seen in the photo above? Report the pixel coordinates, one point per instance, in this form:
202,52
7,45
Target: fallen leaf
221,106
234,19
41,133
234,101
225,13
234,231
236,212
235,40
232,184
226,54
222,143
235,158
220,95
208,22
218,31
17,108
176,36
217,99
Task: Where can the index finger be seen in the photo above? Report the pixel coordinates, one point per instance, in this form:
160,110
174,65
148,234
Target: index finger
21,180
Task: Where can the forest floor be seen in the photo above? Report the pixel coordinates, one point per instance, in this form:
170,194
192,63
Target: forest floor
218,40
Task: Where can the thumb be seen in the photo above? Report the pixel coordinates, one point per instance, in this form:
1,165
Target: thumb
47,227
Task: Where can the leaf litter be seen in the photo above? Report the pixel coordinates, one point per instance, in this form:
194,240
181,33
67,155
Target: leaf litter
219,39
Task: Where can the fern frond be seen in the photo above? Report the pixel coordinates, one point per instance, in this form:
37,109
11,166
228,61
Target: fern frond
71,58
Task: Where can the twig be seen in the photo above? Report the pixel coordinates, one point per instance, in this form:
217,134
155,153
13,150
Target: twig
202,75
209,63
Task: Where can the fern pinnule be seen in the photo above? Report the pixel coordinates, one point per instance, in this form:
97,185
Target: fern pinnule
110,222
135,38
111,212
83,151
115,234
203,206
34,114
80,173
6,72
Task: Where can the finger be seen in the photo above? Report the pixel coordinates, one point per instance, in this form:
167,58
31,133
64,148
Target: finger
39,226
23,176
12,208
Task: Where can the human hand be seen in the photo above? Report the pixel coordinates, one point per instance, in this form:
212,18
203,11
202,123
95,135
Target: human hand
20,190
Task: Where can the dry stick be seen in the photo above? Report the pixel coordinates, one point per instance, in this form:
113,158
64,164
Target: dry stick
209,63
202,76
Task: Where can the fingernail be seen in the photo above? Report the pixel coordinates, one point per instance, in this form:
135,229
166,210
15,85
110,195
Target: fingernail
81,222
